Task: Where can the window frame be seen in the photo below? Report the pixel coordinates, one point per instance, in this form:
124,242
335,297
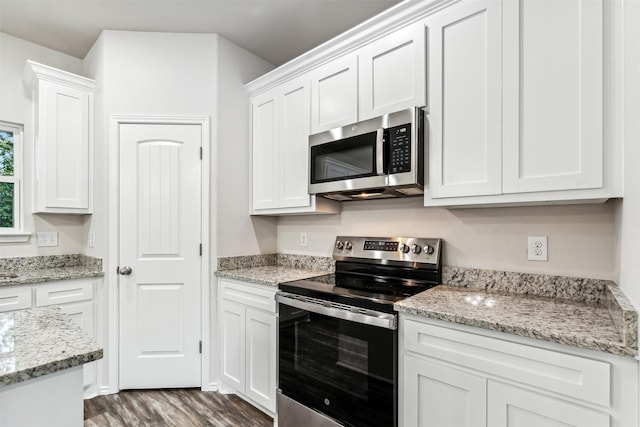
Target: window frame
15,233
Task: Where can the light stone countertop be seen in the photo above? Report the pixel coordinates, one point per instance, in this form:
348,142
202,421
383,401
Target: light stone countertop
44,275
579,324
41,341
270,275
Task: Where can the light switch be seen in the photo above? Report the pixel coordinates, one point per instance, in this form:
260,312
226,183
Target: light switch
47,238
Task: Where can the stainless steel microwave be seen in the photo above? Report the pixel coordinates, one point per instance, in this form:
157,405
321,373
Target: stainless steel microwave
378,158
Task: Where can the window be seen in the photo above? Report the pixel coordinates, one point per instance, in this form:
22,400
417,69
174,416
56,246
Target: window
10,179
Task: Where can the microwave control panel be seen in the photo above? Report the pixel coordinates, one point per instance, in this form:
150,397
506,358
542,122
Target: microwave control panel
400,148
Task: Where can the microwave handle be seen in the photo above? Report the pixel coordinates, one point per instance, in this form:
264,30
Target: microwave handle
380,152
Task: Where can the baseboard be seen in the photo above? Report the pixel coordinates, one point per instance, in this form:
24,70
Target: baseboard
214,386
105,389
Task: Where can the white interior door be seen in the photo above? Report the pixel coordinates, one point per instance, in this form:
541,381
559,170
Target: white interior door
160,235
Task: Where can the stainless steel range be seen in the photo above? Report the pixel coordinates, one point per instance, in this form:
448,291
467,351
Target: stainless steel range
338,337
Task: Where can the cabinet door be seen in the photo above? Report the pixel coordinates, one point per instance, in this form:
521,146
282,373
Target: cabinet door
261,358
15,298
64,136
391,73
232,336
439,396
265,151
334,94
510,406
83,314
553,85
293,150
465,99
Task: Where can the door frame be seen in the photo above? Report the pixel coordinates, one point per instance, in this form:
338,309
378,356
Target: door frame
112,279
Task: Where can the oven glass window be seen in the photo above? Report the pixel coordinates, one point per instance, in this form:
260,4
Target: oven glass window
353,157
341,368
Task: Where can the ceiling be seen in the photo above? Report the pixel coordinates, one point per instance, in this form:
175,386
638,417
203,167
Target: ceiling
276,30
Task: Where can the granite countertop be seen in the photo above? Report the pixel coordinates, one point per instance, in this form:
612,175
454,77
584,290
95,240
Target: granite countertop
43,275
42,269
41,341
270,275
580,324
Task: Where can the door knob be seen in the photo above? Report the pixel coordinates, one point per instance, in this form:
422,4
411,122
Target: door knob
125,271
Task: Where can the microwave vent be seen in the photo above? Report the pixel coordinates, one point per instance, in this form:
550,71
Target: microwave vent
410,191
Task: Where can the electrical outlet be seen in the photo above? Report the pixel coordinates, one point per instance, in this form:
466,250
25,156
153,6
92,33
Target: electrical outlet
537,248
47,238
303,238
91,239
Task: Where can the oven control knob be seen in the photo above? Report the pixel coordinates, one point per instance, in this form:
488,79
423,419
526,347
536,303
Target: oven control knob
428,249
339,245
415,249
348,246
404,248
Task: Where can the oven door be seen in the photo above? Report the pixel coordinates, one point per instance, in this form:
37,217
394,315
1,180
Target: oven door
340,361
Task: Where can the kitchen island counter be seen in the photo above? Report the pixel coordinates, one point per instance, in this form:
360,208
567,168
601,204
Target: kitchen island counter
42,351
576,323
41,341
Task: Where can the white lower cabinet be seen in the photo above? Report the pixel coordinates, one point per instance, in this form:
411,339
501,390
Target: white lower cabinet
460,376
74,297
248,342
461,396
510,406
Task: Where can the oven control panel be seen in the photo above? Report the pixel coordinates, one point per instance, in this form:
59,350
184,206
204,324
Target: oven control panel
397,249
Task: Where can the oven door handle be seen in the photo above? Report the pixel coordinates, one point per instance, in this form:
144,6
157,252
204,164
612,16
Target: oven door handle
340,311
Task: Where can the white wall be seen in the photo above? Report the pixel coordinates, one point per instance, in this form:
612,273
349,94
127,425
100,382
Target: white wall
171,74
582,238
16,106
238,233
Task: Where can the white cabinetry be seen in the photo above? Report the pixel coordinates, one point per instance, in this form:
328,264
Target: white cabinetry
280,152
510,406
74,297
465,99
454,375
516,112
334,94
553,95
461,398
391,73
248,342
63,124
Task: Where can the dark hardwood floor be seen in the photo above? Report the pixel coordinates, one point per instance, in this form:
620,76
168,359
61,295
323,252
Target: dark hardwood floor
172,407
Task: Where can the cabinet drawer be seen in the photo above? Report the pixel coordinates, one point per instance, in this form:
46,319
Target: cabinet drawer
263,299
15,298
64,292
570,375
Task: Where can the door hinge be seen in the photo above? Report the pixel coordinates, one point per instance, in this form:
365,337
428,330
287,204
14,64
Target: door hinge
200,249
200,153
200,346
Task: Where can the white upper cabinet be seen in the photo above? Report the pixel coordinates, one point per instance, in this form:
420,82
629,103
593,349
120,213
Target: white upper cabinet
63,121
280,139
516,100
553,95
391,73
465,99
294,145
334,94
264,137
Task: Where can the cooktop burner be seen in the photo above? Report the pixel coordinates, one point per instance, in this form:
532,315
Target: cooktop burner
375,273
